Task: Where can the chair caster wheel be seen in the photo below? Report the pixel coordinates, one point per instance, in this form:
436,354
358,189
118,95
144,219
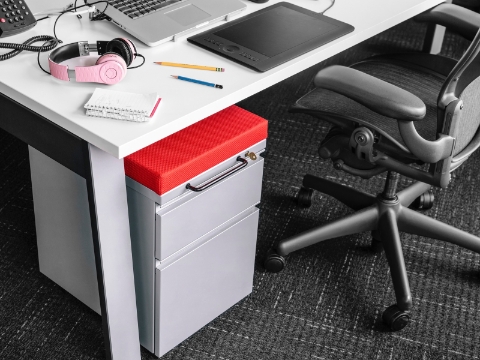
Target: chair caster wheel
395,318
304,197
424,201
274,262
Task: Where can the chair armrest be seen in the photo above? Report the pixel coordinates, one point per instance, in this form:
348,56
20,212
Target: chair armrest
463,21
377,95
388,100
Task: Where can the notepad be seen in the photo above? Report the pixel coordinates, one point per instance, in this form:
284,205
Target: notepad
122,105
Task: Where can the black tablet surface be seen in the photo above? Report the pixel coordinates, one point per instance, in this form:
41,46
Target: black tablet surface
271,36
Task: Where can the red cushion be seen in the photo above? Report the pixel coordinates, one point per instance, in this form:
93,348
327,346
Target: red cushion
176,159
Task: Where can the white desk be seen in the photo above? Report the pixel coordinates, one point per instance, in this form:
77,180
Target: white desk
97,144
183,104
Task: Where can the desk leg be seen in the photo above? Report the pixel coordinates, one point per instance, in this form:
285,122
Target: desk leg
107,199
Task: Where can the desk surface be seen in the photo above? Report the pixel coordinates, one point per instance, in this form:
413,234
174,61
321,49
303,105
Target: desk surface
183,103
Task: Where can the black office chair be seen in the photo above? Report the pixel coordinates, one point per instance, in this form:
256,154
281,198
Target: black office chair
402,114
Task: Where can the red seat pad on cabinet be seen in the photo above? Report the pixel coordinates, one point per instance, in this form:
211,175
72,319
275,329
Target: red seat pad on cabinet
176,159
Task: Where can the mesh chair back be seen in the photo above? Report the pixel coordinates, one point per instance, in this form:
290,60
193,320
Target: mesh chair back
464,83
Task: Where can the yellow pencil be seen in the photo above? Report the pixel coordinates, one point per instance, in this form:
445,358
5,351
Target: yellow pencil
198,67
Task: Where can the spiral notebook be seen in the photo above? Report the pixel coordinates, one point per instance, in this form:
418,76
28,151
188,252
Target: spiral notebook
122,105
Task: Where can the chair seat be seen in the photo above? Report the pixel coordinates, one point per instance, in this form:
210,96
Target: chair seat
420,81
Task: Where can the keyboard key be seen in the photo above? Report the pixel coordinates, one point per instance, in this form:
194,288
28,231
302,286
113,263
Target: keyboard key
138,8
159,6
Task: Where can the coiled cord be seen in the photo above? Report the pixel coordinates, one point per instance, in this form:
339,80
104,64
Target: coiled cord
49,43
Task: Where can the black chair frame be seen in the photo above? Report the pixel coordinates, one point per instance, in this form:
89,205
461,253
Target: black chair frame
389,213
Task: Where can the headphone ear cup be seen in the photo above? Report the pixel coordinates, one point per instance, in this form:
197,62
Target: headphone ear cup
132,47
115,57
115,70
121,47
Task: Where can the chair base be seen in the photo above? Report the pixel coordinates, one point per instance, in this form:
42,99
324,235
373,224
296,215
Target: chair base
385,216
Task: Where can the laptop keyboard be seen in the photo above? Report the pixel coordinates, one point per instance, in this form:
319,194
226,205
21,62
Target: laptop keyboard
137,8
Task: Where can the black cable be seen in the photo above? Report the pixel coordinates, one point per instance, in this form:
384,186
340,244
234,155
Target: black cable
96,2
75,4
38,59
100,16
26,46
57,40
331,4
71,10
134,67
75,9
50,42
55,25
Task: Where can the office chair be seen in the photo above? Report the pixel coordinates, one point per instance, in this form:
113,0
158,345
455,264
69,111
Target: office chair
416,115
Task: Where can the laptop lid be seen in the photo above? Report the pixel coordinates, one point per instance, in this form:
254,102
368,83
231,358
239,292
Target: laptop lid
166,19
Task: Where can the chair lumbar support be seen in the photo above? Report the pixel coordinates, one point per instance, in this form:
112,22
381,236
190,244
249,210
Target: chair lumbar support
385,216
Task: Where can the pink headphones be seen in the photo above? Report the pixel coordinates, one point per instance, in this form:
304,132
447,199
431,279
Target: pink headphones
111,67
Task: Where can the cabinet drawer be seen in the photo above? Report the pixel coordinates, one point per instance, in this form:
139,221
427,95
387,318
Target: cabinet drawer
197,213
181,190
194,288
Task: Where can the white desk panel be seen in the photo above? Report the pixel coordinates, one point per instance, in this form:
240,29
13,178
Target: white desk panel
182,103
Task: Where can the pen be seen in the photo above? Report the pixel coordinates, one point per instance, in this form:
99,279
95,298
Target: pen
199,67
197,81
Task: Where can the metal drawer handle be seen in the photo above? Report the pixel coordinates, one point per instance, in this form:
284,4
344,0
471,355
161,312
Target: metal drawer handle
233,170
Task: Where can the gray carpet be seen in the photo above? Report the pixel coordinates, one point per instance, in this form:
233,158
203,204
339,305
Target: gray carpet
326,304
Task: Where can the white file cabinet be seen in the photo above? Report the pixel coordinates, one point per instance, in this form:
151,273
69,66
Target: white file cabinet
194,251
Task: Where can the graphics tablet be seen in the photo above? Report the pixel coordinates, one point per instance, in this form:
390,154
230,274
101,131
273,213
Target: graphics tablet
271,36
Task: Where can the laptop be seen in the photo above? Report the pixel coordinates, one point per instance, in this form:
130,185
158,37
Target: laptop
157,21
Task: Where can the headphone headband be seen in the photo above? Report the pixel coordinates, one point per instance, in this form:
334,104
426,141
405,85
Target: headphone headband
109,72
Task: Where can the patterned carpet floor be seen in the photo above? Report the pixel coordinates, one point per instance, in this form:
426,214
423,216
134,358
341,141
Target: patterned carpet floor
326,304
